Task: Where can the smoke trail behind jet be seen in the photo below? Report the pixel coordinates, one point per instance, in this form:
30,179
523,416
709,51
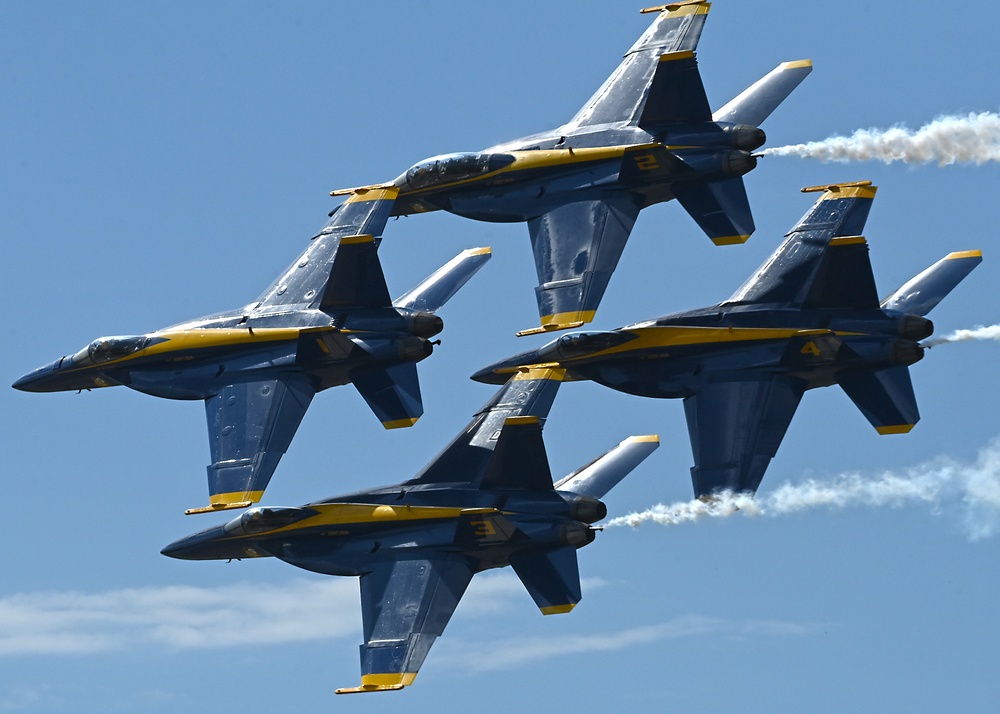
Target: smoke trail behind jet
970,139
980,333
971,490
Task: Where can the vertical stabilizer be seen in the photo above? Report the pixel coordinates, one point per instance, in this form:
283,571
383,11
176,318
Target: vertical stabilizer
605,472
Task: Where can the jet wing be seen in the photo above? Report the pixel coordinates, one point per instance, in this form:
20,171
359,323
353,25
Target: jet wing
405,606
393,393
576,248
623,95
736,426
824,261
321,275
250,425
528,393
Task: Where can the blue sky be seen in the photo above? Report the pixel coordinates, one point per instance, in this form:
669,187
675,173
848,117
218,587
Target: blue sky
162,162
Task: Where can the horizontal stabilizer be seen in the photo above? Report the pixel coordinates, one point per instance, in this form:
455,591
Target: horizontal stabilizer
393,393
885,398
519,461
447,280
356,278
551,578
755,103
922,293
720,208
676,93
601,475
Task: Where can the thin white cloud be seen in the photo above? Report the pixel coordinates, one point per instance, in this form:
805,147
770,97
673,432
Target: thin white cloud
178,616
188,617
515,652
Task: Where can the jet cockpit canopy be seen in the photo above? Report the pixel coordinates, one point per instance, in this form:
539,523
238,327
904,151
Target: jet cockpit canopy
449,168
106,349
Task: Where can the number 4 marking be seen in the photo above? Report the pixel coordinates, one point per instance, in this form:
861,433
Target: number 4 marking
810,348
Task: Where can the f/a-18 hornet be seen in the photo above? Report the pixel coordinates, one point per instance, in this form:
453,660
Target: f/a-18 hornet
327,320
646,136
809,317
485,502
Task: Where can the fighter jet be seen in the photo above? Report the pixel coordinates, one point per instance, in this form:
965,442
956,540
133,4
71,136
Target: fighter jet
646,136
327,320
485,502
809,317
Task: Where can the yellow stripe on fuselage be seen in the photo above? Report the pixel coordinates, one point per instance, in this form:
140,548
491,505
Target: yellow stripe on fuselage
347,514
669,336
536,159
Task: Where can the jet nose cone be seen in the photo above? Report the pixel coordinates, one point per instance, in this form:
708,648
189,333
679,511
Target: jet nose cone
37,380
200,546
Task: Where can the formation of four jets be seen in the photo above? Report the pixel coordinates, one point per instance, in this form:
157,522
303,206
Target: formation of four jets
809,317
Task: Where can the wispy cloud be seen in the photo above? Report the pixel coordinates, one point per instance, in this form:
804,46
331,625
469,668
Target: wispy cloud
509,653
188,617
974,138
178,616
970,490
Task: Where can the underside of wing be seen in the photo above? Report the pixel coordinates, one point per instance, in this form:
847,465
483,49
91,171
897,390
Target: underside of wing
824,261
392,393
250,426
576,248
358,222
736,426
622,96
405,606
529,393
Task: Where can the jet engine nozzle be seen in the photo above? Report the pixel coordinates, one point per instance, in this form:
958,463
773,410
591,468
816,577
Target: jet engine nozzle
576,534
915,327
737,163
905,352
746,137
424,324
587,509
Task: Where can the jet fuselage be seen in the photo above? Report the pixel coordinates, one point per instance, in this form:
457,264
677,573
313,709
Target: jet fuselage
668,357
524,178
344,535
194,360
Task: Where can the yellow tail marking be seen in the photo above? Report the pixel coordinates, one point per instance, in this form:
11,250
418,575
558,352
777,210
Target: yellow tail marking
964,254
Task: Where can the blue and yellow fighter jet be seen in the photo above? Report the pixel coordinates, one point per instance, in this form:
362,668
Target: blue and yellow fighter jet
648,135
326,321
485,502
809,317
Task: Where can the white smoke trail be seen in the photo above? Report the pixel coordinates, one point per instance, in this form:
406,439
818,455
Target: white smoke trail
973,489
980,333
974,138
